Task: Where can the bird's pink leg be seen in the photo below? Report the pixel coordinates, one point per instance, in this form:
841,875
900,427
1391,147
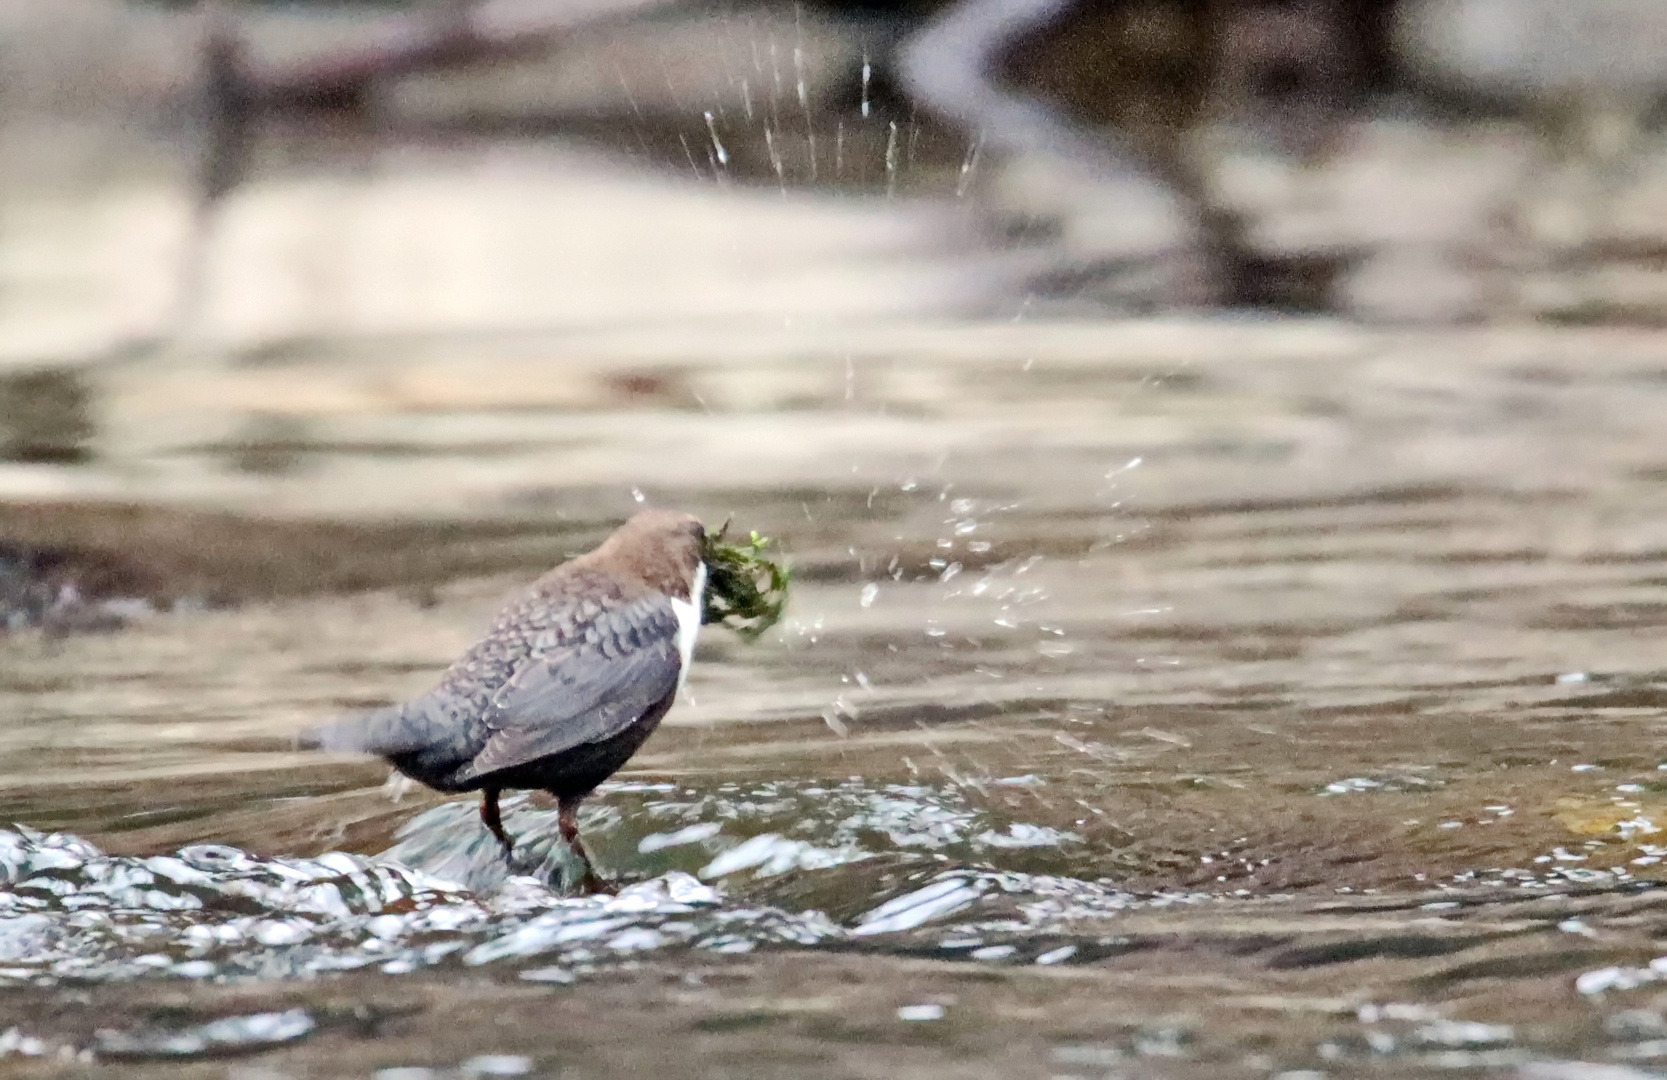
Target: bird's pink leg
567,820
494,823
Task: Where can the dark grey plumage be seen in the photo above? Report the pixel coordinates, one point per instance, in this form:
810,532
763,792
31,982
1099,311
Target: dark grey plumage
553,673
569,682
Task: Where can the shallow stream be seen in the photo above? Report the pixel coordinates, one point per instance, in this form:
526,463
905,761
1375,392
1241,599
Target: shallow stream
1156,699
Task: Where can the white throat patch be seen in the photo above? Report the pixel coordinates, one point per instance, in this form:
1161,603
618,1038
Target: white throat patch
688,622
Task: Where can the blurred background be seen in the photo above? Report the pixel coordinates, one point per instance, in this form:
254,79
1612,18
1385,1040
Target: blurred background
239,185
1219,444
243,175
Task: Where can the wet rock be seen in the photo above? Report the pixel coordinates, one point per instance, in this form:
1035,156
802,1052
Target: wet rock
64,589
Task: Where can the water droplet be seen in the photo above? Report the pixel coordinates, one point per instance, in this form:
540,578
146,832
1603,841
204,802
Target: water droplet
968,165
891,159
717,144
870,592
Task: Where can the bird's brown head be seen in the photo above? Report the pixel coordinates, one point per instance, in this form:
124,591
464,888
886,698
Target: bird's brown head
660,548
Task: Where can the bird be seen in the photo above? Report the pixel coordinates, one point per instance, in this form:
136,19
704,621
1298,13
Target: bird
574,675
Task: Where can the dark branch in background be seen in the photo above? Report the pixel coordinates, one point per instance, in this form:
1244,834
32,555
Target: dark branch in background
1131,84
951,66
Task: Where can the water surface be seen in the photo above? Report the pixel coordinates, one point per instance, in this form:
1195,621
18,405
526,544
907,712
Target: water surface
1181,699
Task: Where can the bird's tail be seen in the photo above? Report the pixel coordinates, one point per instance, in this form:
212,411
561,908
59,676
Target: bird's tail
397,729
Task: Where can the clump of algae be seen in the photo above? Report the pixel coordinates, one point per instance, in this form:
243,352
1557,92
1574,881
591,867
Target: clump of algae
745,590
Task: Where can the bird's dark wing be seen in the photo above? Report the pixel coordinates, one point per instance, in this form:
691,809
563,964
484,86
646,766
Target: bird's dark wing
590,688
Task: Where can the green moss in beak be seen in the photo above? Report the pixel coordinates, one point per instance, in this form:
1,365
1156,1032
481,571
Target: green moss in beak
744,590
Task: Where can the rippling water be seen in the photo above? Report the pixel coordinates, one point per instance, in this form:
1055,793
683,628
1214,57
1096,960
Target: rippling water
1228,702
443,895
213,914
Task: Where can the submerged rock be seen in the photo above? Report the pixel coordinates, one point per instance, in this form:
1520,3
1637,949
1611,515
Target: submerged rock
63,589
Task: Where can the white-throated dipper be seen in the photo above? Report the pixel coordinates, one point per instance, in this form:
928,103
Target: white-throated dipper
572,678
